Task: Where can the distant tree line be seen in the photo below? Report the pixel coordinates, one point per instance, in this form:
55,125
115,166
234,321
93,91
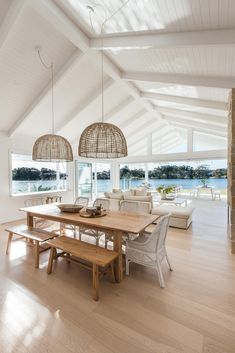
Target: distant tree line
174,172
35,174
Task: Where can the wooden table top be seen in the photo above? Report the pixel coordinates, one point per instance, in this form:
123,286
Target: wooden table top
121,221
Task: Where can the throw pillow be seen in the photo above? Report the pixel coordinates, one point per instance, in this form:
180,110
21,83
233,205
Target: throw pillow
140,192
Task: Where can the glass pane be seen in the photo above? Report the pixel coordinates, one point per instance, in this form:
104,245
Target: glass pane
31,177
207,142
84,179
131,175
169,140
104,184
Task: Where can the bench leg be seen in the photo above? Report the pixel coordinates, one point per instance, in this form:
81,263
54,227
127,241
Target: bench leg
95,282
112,272
36,249
50,262
9,243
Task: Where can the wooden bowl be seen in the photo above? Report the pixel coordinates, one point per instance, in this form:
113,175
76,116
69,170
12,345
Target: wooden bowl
71,208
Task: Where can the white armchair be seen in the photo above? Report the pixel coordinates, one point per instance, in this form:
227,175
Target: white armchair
150,250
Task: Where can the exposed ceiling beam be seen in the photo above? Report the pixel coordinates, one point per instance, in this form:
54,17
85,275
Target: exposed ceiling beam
195,124
219,37
196,102
14,12
180,79
49,10
120,107
190,115
133,118
59,77
82,106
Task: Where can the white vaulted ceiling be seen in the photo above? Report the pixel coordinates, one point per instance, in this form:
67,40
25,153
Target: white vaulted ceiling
168,67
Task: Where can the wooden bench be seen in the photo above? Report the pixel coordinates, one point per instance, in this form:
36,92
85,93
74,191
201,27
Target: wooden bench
37,236
75,250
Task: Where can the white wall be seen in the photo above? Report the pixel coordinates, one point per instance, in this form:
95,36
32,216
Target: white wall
9,205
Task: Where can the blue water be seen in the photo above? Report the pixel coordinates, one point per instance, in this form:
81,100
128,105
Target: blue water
185,183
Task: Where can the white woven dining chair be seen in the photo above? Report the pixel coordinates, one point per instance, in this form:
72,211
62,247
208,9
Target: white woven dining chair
105,204
129,206
82,201
37,201
150,250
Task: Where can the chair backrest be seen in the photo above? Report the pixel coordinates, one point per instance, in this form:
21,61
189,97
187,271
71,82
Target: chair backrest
129,206
34,202
156,240
52,199
82,200
144,207
105,203
135,206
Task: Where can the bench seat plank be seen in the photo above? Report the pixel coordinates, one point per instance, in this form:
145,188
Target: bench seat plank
88,252
31,233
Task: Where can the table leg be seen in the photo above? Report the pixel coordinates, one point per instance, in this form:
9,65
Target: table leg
9,243
29,220
117,245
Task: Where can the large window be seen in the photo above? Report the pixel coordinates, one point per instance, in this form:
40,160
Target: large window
28,176
187,174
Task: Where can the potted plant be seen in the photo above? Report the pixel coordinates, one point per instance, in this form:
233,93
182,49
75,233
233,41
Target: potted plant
165,190
204,183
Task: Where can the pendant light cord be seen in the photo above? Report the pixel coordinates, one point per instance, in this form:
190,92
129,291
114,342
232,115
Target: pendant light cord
51,68
91,10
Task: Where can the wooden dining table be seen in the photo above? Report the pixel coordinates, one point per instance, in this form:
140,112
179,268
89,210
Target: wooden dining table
115,223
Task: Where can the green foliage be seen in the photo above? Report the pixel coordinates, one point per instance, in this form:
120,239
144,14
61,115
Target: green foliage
174,172
26,174
166,189
35,174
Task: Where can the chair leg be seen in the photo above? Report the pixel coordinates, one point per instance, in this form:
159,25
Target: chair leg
160,275
95,282
127,266
112,272
36,249
9,243
168,262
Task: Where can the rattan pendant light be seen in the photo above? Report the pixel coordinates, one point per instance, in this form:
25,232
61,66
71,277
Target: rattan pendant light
102,140
51,147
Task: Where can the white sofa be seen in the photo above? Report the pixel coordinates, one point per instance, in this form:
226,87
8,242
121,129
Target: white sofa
181,217
116,196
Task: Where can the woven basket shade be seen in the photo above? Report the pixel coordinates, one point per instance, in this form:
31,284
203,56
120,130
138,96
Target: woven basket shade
102,140
52,148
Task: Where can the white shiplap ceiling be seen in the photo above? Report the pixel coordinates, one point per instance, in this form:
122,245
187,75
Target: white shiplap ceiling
62,28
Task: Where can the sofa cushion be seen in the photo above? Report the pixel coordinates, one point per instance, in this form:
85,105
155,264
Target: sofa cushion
176,211
141,192
127,193
138,198
117,191
114,195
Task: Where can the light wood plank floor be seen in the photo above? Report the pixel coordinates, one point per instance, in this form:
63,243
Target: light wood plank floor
194,313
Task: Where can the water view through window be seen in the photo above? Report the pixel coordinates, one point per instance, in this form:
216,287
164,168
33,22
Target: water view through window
187,174
36,177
